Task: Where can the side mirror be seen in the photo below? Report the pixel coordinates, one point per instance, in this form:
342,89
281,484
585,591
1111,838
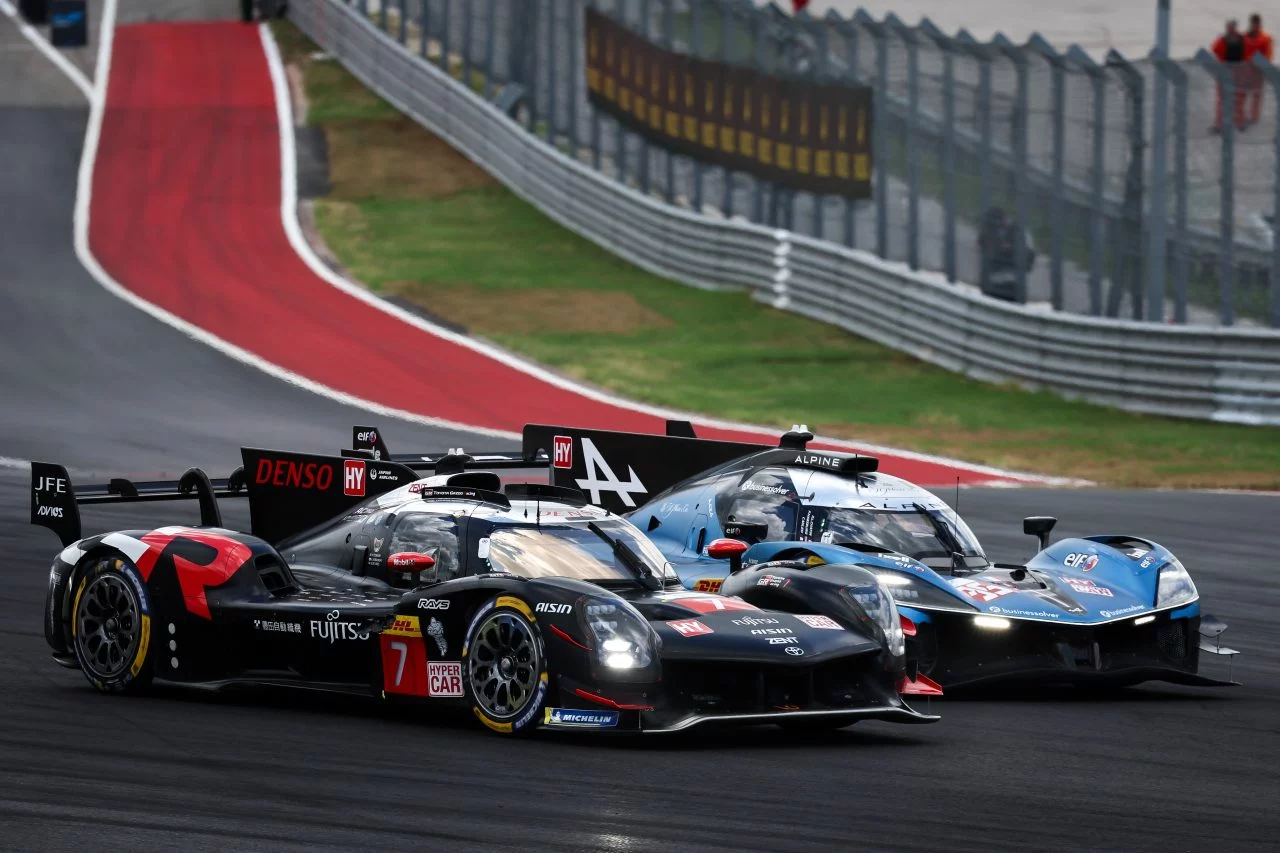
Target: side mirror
728,549
1039,526
414,564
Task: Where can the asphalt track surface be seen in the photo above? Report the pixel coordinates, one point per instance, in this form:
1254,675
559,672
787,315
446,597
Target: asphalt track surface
90,381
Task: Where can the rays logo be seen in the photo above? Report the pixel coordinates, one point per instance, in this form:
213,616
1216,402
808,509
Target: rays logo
600,477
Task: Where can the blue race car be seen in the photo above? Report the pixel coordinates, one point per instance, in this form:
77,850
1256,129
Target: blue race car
1109,609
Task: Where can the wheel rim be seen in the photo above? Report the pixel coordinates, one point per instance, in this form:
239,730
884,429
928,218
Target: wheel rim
503,666
107,626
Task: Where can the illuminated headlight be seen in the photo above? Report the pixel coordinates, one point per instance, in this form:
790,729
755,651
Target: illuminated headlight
992,623
878,604
620,636
1175,586
893,580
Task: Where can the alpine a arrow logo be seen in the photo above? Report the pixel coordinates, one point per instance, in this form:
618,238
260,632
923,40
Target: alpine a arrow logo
600,477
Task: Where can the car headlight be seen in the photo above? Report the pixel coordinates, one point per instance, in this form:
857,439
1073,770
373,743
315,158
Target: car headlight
1175,586
879,606
621,639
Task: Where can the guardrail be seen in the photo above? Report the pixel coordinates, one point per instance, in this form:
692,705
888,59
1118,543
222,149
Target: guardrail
1226,374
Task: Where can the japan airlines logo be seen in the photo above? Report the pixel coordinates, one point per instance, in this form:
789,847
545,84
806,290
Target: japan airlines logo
353,478
600,477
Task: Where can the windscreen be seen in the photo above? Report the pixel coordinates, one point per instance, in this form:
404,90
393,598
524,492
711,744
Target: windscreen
919,532
574,551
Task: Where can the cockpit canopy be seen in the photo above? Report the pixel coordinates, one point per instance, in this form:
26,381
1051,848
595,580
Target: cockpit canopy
869,512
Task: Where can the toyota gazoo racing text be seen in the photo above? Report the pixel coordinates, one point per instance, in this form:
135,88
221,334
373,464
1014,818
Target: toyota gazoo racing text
1116,609
524,604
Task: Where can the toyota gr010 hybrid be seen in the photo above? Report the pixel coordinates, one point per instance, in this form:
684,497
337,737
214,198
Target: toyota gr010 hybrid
1112,608
526,605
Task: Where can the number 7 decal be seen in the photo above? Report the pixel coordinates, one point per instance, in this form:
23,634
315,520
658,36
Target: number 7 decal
403,649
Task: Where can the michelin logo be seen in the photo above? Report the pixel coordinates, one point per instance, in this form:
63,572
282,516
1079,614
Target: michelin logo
580,719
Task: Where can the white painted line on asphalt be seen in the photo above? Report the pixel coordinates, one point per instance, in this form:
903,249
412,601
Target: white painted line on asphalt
74,74
289,216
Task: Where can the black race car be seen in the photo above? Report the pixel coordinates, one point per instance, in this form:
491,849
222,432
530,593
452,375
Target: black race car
523,603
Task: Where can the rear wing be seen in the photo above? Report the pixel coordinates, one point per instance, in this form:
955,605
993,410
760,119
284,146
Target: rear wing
621,471
56,502
368,443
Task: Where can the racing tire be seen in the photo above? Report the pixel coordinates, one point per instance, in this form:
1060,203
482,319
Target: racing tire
111,625
504,666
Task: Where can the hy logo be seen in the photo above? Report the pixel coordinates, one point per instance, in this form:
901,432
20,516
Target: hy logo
600,477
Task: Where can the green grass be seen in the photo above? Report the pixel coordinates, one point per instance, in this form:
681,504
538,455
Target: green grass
480,257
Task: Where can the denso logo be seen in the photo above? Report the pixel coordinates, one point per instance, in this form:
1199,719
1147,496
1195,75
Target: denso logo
353,477
299,475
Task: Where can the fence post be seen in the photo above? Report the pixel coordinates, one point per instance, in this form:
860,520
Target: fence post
619,131
490,41
985,55
403,30
1097,183
596,141
820,75
552,6
1058,228
645,154
1225,76
468,12
879,128
445,30
1176,75
728,10
667,40
850,32
695,49
1126,262
1021,118
382,14
576,43
948,47
912,135
1272,75
424,19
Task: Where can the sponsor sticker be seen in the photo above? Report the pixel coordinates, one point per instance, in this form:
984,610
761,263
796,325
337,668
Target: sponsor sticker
353,477
569,717
710,603
1107,614
1030,614
277,627
775,581
444,679
433,604
825,622
1088,587
549,607
794,651
563,448
298,475
436,631
689,627
708,585
1083,562
404,658
983,591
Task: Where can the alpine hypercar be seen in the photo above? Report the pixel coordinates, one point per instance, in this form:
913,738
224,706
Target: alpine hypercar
525,604
1113,608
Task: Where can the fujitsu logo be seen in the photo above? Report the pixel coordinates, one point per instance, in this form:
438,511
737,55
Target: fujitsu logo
333,629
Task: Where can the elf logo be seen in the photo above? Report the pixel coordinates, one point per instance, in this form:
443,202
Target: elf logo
353,477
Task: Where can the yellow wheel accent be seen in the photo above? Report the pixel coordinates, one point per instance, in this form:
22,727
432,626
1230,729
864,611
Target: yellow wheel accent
501,728
75,608
512,601
143,642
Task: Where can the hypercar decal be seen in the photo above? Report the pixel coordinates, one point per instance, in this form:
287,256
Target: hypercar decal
200,560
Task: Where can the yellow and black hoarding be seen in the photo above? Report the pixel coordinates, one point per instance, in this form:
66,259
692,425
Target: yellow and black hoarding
806,136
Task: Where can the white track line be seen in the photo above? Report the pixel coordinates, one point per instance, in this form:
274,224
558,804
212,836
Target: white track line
289,215
74,74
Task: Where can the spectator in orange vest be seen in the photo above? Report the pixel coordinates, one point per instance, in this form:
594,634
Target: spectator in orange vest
1232,49
1258,42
